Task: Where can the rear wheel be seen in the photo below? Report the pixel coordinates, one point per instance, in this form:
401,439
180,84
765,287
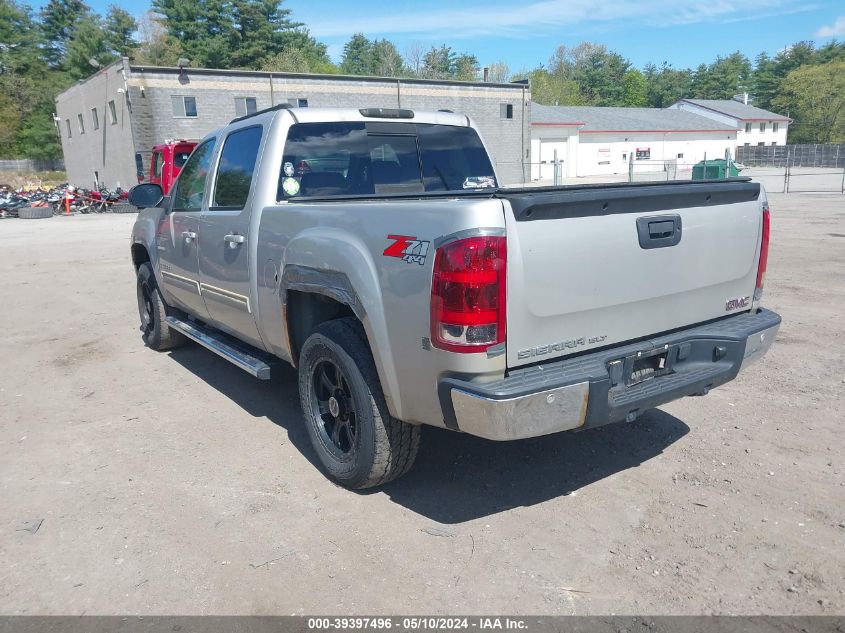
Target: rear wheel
359,443
151,308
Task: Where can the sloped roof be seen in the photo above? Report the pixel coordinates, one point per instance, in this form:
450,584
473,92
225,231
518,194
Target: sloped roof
600,119
737,109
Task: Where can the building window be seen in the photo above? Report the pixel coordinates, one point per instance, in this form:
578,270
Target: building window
774,143
112,113
184,106
95,120
775,127
680,155
506,110
302,103
761,144
748,145
763,126
245,106
81,124
747,127
69,131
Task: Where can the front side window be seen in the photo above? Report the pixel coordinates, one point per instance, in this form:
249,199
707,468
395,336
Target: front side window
184,106
245,106
775,127
191,183
763,127
747,127
357,158
237,165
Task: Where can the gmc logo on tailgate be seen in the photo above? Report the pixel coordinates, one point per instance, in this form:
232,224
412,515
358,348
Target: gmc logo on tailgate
736,304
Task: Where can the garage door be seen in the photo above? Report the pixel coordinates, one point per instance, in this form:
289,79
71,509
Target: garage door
547,157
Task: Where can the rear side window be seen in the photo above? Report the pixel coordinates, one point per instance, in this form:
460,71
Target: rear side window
357,158
237,164
453,159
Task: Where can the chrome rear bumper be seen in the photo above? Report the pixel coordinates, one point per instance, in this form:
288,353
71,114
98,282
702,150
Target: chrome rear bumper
594,389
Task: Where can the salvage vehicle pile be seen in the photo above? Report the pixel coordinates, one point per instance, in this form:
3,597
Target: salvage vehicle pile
64,199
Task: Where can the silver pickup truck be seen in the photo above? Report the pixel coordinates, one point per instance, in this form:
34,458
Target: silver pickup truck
374,251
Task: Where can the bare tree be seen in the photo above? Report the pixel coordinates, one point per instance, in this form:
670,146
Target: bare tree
414,56
499,72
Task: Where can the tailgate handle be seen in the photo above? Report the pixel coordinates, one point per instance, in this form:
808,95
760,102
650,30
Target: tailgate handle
659,231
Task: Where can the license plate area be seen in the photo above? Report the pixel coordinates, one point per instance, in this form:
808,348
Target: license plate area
640,367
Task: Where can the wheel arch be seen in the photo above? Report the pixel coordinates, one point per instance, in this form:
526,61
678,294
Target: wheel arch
311,296
140,254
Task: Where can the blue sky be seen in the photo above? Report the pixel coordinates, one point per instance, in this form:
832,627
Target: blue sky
526,32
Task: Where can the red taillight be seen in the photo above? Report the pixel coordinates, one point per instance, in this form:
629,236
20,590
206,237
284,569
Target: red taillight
468,294
764,255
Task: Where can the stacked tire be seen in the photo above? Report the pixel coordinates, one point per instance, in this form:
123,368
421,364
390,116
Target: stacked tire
35,213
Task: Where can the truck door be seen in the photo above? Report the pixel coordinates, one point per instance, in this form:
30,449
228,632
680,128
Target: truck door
224,243
178,234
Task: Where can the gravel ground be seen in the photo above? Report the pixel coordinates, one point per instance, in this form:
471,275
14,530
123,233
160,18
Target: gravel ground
139,482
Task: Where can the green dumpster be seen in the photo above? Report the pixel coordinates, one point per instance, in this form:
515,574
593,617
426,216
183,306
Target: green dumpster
714,169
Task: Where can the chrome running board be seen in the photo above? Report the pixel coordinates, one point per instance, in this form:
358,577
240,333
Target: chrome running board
223,346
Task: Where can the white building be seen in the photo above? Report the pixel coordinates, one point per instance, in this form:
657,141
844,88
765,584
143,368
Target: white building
596,141
754,126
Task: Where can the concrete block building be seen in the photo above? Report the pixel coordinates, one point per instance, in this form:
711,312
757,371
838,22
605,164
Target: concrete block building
109,122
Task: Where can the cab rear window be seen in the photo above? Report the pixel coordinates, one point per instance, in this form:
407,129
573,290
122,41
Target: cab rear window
357,158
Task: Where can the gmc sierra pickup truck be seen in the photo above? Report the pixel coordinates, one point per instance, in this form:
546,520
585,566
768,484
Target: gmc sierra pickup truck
375,251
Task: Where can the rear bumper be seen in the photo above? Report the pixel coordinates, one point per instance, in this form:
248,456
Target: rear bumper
596,389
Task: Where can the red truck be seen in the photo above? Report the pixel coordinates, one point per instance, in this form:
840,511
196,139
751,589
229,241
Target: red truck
167,161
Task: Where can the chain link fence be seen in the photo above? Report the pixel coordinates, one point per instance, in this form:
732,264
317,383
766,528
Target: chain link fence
806,155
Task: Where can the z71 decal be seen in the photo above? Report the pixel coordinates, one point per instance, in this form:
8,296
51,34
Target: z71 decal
407,248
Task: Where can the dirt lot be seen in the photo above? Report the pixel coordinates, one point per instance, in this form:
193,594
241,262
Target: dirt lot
139,482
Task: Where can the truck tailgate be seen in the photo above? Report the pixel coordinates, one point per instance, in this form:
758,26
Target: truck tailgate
598,265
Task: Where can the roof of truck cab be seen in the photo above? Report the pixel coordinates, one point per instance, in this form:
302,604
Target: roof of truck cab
324,115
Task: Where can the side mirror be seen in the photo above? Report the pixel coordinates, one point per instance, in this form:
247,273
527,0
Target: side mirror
145,195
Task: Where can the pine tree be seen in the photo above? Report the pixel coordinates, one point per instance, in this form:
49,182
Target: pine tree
59,19
357,56
120,27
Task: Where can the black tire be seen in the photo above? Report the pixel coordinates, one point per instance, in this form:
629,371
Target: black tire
123,207
371,447
151,308
35,213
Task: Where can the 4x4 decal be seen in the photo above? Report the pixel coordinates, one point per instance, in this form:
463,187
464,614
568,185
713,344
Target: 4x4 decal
407,248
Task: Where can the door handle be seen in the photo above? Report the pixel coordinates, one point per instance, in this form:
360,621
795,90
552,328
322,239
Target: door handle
659,231
234,239
189,235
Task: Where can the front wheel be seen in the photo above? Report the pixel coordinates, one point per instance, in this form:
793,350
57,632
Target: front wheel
151,308
359,443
